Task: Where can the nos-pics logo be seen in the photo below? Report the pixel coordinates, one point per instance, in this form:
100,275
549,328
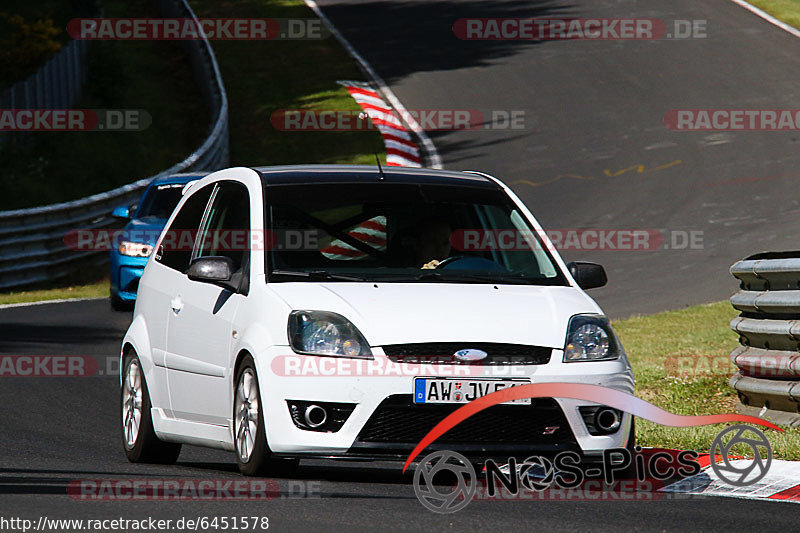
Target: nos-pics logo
446,481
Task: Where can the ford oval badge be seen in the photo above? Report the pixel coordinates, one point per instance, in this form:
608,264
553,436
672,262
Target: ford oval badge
470,354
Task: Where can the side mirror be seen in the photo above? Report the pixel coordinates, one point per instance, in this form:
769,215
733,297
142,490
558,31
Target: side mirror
588,275
216,270
122,211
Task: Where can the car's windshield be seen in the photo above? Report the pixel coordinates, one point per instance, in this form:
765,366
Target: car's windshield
160,200
402,232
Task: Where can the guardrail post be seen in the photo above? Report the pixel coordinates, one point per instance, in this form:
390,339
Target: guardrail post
768,360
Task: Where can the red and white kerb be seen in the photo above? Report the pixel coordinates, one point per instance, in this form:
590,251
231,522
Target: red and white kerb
401,150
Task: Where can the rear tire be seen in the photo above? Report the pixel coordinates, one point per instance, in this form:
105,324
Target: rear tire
138,436
249,436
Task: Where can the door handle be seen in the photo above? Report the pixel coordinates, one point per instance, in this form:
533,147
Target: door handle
176,304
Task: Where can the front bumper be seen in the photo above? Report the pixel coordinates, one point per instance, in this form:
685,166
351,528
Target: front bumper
386,424
125,275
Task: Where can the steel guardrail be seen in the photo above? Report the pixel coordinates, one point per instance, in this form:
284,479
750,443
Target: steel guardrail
55,85
32,247
768,359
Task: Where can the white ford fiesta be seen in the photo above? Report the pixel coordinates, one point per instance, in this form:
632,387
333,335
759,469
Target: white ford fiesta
343,311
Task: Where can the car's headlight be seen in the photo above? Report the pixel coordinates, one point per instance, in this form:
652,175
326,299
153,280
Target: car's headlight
325,333
135,249
590,338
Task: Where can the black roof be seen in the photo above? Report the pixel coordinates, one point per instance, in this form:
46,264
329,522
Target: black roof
304,174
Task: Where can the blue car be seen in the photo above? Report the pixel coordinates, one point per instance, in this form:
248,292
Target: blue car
134,246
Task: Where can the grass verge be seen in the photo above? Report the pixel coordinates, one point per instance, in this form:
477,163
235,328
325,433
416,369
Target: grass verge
27,44
50,167
680,360
786,10
93,290
262,77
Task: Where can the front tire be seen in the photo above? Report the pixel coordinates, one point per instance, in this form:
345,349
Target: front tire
249,436
138,436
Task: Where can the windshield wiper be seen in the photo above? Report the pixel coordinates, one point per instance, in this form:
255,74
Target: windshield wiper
427,275
438,275
315,275
467,277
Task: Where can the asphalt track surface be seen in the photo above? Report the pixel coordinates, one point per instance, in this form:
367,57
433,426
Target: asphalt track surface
597,106
590,107
58,430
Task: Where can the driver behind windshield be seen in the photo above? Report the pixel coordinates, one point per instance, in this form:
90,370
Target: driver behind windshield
388,231
430,242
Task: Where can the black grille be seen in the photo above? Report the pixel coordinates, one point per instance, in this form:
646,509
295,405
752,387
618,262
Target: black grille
443,352
397,420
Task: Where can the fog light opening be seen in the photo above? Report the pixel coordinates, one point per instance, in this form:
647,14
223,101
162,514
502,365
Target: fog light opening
315,416
607,420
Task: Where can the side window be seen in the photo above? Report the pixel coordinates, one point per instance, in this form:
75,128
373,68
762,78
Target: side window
226,231
176,248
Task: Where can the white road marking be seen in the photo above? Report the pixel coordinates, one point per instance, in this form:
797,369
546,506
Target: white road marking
434,160
769,18
782,475
43,302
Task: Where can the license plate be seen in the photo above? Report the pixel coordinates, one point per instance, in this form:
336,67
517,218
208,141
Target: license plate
432,390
